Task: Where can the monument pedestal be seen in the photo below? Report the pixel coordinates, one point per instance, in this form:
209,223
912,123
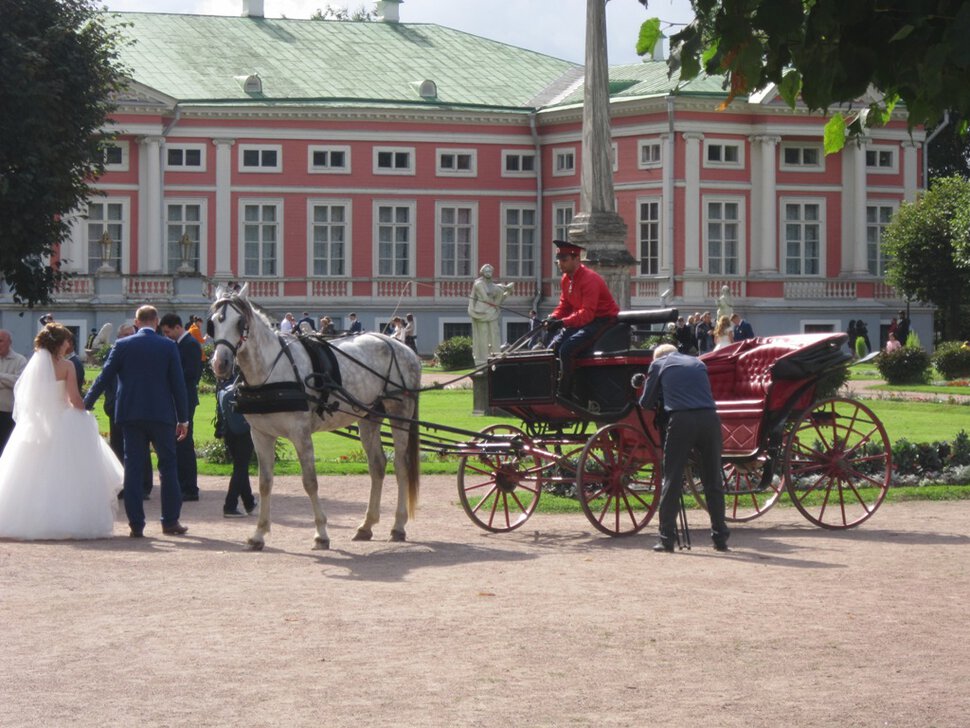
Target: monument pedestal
480,395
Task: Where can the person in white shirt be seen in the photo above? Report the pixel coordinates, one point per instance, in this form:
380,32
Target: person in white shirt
11,367
287,324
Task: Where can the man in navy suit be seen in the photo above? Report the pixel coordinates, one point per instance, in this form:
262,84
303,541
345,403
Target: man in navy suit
190,353
151,407
355,326
742,329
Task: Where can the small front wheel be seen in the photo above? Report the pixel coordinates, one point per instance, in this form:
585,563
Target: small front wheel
499,485
750,488
837,463
618,480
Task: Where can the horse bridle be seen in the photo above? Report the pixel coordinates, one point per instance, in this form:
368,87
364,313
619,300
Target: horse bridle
243,328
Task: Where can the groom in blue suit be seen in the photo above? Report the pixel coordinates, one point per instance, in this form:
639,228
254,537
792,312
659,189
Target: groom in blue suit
151,406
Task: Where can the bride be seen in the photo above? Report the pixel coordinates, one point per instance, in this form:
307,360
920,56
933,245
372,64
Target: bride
58,477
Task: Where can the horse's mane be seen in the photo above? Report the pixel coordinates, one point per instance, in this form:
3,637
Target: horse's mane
252,309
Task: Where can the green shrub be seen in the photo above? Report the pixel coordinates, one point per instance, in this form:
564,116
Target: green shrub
831,382
904,366
860,348
912,341
101,354
905,457
455,353
952,360
960,449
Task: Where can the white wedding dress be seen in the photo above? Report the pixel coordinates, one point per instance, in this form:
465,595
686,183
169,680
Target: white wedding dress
58,477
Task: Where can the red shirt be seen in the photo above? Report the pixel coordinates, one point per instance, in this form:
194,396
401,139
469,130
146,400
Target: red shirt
584,297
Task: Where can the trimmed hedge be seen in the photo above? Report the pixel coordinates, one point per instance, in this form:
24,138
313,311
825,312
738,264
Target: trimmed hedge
455,353
952,360
904,366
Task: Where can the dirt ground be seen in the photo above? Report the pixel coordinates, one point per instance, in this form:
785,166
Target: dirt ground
552,625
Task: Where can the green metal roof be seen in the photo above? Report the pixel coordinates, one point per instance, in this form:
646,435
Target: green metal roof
649,78
196,58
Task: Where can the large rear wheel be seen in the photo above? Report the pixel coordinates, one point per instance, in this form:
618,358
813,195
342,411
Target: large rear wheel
499,485
837,463
618,480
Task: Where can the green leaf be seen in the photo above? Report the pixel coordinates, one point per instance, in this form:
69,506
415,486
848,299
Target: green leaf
902,33
834,136
649,36
790,87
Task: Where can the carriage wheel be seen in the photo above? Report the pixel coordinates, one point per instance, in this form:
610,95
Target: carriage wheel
837,463
618,480
500,486
745,498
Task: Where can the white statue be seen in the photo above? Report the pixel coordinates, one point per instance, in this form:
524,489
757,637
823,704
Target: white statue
724,307
484,306
102,338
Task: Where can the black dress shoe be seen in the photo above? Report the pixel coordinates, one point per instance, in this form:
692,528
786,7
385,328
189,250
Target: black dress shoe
136,532
721,547
174,529
668,547
189,497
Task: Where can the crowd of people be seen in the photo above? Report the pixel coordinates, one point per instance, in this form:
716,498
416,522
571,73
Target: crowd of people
699,334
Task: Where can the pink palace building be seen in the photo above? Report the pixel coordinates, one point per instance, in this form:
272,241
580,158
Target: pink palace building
376,166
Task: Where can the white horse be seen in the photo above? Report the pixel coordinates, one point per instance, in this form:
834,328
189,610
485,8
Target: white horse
378,375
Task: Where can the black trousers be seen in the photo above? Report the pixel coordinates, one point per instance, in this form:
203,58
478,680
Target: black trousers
188,466
240,449
693,431
6,427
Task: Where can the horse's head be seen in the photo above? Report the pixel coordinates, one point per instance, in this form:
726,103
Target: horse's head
228,327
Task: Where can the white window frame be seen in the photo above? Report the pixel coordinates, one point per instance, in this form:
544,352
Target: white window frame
801,166
412,206
203,228
442,171
740,222
615,156
651,200
124,250
328,169
564,162
724,144
783,238
241,240
347,204
439,207
880,256
520,153
560,230
125,164
503,227
277,168
651,163
200,148
892,168
409,170
836,324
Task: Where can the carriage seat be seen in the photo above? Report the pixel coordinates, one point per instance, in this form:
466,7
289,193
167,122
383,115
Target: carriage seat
617,337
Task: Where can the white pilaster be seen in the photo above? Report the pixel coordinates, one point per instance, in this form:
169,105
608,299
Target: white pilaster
667,205
150,207
853,222
692,203
223,207
860,263
764,226
910,170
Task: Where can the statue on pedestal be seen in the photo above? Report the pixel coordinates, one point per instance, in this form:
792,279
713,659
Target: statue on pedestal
724,307
484,306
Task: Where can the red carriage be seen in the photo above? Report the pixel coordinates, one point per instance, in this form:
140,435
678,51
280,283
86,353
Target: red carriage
830,454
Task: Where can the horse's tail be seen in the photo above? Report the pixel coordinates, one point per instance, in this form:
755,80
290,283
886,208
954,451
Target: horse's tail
414,459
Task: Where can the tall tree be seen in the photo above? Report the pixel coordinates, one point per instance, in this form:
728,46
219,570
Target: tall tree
58,70
830,53
926,244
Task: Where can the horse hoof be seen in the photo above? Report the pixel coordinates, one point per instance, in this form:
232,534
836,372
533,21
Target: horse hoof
321,544
255,545
398,536
362,536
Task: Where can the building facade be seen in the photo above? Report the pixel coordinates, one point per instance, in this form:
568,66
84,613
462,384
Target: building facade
375,167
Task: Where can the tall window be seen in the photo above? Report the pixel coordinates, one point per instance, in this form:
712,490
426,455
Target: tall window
105,217
394,235
648,237
877,218
328,231
181,220
803,238
520,241
261,233
456,231
562,215
723,235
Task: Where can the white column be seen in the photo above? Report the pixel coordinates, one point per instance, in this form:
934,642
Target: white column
667,205
223,207
764,246
150,207
692,203
853,222
860,264
910,170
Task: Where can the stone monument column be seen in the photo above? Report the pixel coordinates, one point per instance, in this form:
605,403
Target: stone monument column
598,227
